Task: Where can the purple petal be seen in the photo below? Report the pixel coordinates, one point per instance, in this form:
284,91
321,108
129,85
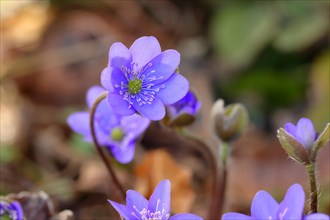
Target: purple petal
176,87
135,124
163,66
293,203
317,216
105,116
185,216
235,216
16,206
305,132
290,128
92,94
154,111
192,110
117,78
102,129
106,79
187,105
144,49
160,199
263,206
124,153
136,202
119,105
119,55
122,210
79,122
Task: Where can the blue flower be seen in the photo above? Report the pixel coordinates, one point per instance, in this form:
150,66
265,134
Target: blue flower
157,208
114,131
143,79
11,210
265,207
187,105
304,132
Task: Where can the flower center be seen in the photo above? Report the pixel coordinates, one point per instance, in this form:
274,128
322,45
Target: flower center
117,134
6,216
134,86
140,84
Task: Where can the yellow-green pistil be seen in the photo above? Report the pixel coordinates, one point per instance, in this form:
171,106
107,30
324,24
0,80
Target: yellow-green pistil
134,86
117,134
6,216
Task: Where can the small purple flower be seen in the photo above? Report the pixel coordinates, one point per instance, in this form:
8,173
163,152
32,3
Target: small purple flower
304,132
264,206
114,131
11,210
187,105
157,208
142,78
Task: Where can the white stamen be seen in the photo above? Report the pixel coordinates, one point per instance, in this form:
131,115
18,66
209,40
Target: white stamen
282,214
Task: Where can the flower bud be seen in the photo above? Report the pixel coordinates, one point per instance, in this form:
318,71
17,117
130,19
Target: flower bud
294,148
301,142
182,113
229,122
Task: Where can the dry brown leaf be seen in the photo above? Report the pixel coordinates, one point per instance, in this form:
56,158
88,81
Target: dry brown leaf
93,177
158,165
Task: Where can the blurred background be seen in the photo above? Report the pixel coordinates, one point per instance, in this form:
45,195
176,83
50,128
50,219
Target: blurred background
272,56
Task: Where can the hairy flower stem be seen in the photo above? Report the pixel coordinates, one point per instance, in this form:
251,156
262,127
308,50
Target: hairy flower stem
215,173
114,179
312,181
218,196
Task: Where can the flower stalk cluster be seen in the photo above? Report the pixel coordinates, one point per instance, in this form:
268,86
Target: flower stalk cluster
137,84
141,84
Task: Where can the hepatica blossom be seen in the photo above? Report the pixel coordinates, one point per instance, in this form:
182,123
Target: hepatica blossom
187,105
157,208
114,131
301,142
11,211
143,79
265,207
304,132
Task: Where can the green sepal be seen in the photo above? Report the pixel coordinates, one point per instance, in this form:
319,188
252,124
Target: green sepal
230,121
294,149
181,121
320,142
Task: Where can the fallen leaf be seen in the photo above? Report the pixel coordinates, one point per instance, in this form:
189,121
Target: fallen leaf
158,165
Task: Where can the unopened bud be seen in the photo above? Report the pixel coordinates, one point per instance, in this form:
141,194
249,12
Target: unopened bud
301,142
229,122
183,112
294,148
